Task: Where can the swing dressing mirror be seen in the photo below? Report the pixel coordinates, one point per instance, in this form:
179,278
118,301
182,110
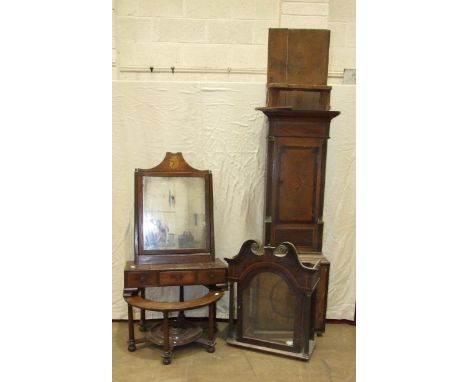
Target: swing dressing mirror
173,213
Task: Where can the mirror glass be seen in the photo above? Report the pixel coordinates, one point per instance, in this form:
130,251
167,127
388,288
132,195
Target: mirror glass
268,309
174,213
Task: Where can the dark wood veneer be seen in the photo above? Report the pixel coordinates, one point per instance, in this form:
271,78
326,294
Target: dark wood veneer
302,282
173,165
173,267
296,176
301,191
299,117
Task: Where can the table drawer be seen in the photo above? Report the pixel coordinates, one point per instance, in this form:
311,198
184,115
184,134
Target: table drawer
141,279
213,276
177,278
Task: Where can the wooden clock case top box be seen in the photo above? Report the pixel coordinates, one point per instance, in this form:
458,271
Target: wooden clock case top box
298,69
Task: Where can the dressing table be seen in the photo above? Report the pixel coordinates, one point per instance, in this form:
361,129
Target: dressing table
174,246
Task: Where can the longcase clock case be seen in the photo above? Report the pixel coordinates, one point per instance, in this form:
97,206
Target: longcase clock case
299,117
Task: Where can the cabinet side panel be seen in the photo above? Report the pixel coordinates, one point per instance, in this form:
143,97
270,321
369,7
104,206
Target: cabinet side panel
277,55
322,297
304,237
308,56
268,189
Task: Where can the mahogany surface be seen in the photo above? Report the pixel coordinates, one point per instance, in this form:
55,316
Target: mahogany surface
173,267
298,68
156,275
295,187
301,281
159,306
298,104
297,149
173,165
298,56
309,259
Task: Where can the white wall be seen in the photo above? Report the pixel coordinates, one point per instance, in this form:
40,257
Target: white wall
220,34
216,127
342,24
200,111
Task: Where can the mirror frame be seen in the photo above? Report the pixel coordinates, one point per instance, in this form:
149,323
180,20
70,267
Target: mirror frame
173,165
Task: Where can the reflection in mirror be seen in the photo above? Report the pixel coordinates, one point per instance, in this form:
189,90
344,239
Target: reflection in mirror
174,213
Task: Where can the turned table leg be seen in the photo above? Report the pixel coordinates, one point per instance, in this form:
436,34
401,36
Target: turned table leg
131,333
167,349
211,327
231,309
181,316
142,323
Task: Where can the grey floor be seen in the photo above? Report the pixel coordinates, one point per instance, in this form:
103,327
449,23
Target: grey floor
333,360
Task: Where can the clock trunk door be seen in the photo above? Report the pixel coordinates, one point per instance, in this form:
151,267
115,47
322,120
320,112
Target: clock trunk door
296,191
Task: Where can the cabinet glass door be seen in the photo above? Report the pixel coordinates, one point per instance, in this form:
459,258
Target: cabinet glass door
268,309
